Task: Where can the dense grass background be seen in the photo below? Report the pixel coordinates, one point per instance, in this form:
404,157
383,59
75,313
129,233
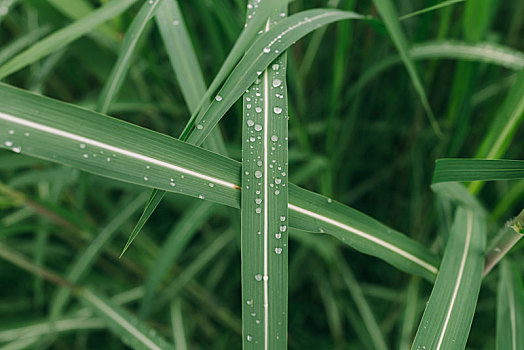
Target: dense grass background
369,146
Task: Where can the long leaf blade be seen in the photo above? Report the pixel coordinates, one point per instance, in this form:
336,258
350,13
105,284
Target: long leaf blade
510,308
56,131
449,313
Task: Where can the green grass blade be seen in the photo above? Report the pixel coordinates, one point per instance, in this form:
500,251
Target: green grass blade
175,244
19,44
116,78
264,251
430,8
134,333
389,16
449,312
65,134
180,51
504,126
177,324
510,308
263,51
65,36
264,10
154,200
463,169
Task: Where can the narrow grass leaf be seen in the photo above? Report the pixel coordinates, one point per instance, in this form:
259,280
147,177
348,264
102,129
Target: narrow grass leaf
430,8
177,324
175,244
263,9
125,325
389,16
264,251
510,307
153,201
504,126
463,169
73,136
120,68
64,36
451,306
19,44
257,58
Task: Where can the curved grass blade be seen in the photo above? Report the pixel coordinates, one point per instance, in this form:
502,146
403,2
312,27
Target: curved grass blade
264,251
134,333
263,51
451,306
175,244
13,48
133,34
389,16
76,137
510,308
65,36
263,9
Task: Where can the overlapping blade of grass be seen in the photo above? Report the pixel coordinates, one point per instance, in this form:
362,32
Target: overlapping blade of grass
261,53
133,332
133,34
64,36
175,244
76,137
510,307
451,306
264,250
389,16
264,9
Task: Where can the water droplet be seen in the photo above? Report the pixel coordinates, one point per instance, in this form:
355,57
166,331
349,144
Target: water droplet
253,314
249,301
267,50
108,159
258,277
258,174
259,163
11,132
200,126
278,250
17,149
278,235
211,184
258,200
218,98
176,22
146,178
277,82
8,143
258,109
258,127
248,106
278,180
201,196
277,192
148,167
250,122
82,145
172,184
274,138
282,218
277,110
329,200
258,210
86,155
283,228
249,338
266,277
275,66
26,134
